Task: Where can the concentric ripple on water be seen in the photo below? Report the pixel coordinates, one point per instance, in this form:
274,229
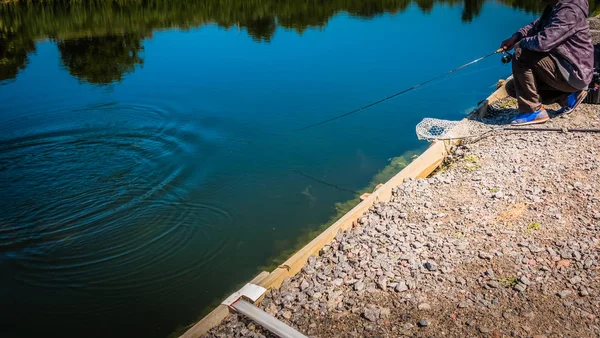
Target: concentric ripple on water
105,207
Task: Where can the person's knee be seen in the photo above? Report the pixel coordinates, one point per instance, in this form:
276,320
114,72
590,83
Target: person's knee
510,88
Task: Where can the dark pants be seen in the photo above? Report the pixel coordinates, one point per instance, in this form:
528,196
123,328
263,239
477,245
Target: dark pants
536,81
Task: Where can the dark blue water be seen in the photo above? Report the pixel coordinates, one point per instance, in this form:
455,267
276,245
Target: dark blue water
132,201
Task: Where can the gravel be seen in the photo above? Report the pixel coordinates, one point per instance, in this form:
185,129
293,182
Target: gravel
522,263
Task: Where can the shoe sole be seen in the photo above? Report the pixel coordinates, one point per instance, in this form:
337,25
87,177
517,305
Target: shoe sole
577,103
538,121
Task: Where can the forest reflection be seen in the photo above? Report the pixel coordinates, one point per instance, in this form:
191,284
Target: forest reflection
94,48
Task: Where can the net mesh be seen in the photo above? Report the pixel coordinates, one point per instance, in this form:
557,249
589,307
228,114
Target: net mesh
435,129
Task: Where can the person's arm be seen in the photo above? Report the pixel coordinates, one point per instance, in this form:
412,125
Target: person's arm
509,43
560,28
528,30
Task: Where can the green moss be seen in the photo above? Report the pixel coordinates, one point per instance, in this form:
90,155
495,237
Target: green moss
471,158
395,165
509,282
533,227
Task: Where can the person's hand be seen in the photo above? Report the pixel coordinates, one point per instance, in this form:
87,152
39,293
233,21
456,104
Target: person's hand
509,43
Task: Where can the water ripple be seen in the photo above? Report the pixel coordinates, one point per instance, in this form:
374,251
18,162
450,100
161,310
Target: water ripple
105,206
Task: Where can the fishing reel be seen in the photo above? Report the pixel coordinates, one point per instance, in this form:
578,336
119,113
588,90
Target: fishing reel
506,57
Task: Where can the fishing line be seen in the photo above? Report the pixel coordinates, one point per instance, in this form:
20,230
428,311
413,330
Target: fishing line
399,93
324,182
442,76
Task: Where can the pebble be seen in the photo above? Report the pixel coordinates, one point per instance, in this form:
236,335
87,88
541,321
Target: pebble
424,306
401,287
575,280
484,255
423,322
371,314
520,287
287,314
484,329
525,280
431,266
493,284
564,293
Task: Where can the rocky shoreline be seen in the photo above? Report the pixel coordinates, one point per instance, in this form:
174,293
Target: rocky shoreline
503,240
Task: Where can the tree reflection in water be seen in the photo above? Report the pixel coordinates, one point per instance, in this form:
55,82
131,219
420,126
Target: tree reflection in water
94,49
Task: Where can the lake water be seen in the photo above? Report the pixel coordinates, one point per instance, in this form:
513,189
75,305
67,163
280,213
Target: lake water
148,158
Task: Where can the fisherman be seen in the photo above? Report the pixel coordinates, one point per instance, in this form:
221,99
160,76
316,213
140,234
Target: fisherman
553,61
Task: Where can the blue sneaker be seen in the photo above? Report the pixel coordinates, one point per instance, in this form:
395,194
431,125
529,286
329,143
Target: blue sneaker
573,101
539,116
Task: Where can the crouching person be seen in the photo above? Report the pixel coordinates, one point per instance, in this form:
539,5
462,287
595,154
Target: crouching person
553,61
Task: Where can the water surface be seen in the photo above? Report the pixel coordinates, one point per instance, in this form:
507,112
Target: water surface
148,158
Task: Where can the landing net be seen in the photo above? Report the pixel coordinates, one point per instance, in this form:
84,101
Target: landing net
435,129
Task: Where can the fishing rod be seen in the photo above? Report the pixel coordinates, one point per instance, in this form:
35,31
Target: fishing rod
506,58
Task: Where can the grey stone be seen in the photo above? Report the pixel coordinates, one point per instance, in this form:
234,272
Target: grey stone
484,329
493,284
564,293
423,322
431,266
307,269
371,314
525,280
401,287
382,284
463,304
575,280
484,255
520,287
